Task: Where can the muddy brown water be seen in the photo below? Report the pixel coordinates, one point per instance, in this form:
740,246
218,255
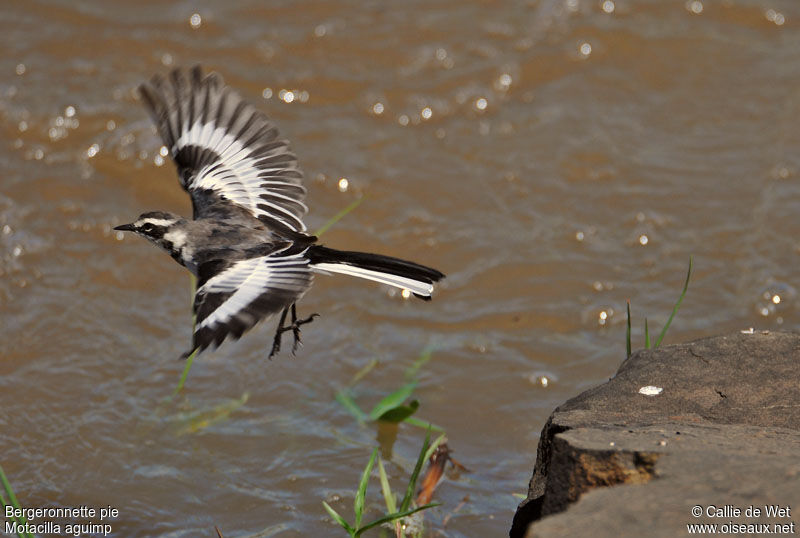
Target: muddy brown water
554,158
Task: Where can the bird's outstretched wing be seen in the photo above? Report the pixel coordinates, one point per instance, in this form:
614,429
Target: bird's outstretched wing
225,149
232,297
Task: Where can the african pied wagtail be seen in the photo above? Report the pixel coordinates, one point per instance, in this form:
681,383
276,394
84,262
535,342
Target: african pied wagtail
247,243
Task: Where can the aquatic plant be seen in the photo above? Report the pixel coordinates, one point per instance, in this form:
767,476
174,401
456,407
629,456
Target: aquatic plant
663,333
395,513
392,408
11,500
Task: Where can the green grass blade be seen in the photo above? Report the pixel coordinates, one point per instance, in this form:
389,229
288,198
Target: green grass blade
388,496
433,447
628,331
425,425
186,368
339,216
364,371
190,358
646,335
9,491
12,501
393,400
412,483
205,418
677,305
425,356
344,398
361,493
339,519
400,413
391,517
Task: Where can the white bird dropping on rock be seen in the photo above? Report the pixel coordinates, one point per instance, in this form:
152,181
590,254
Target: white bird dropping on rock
650,390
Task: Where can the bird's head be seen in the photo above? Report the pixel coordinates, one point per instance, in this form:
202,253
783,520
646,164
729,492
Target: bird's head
159,227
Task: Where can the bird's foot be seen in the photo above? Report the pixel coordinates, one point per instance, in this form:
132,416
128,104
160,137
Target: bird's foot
296,330
294,326
187,354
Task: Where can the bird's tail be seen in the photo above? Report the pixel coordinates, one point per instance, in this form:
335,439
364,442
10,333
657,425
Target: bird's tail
392,271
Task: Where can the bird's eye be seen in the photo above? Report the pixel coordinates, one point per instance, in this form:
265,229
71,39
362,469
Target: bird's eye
147,227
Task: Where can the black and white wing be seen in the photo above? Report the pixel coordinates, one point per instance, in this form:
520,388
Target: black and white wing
225,149
232,297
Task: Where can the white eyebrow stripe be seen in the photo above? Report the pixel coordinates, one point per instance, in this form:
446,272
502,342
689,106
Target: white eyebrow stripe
155,222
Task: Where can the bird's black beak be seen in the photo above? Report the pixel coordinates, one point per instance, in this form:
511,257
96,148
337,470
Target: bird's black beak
125,228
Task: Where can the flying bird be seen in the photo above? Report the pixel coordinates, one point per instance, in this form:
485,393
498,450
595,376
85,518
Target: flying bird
246,241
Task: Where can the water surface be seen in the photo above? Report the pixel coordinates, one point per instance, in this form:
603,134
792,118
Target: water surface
554,158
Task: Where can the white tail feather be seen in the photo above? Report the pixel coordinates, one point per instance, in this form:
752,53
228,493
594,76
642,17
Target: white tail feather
415,286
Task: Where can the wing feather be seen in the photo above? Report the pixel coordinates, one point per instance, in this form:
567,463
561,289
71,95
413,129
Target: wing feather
225,149
232,298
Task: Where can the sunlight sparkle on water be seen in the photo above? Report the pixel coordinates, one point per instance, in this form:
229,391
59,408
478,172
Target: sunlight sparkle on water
695,6
446,61
503,82
776,299
608,6
405,294
290,96
343,184
774,16
287,96
266,93
586,49
426,113
643,240
195,21
20,70
481,103
542,379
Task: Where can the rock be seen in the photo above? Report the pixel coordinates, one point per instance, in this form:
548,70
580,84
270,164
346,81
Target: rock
724,432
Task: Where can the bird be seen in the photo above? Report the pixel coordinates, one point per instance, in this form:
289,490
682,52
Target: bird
246,242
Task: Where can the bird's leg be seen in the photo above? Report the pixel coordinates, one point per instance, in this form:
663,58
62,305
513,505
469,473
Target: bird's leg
295,326
276,343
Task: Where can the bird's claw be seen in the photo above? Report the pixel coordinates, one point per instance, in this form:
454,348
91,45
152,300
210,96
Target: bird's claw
294,327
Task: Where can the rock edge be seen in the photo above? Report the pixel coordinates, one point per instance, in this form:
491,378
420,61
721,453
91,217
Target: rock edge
724,430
